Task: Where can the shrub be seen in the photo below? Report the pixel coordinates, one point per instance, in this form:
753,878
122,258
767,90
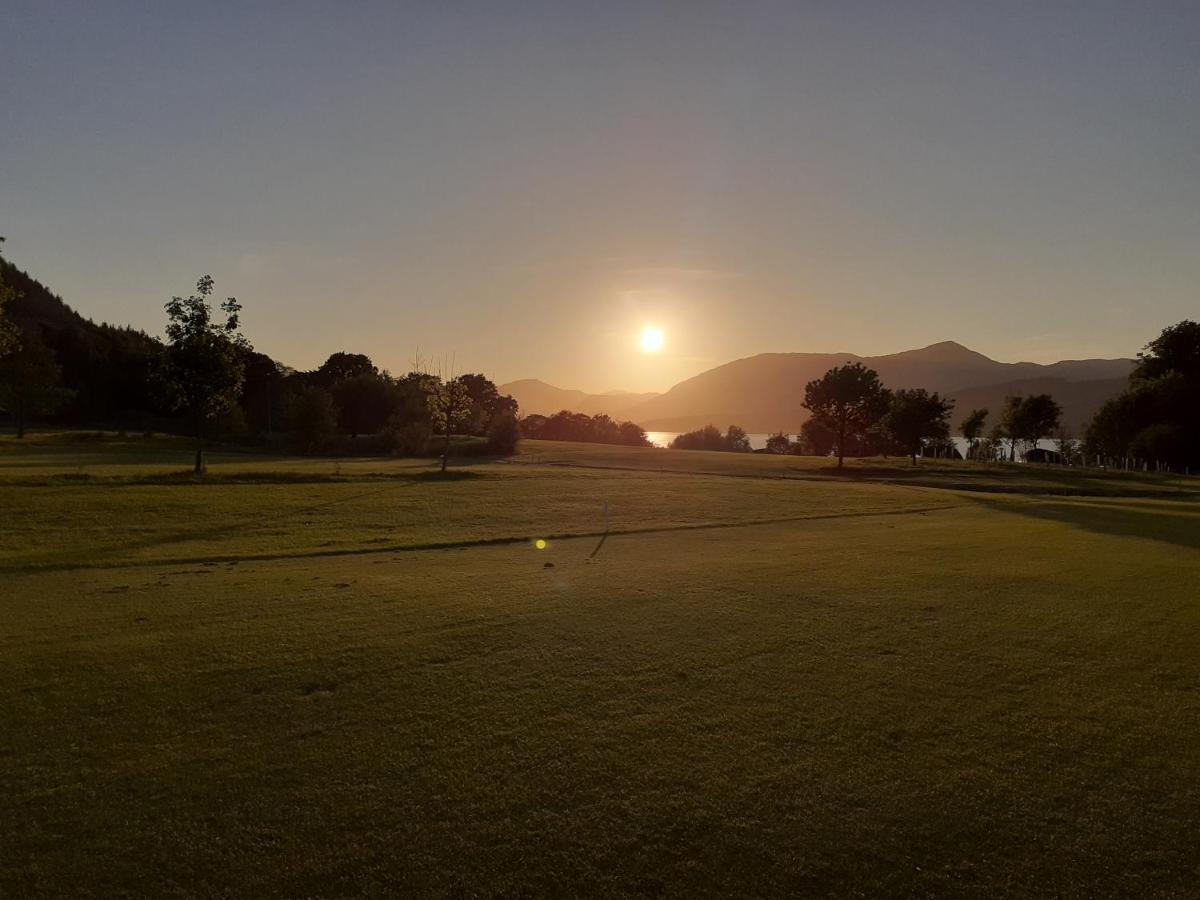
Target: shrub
710,438
312,418
503,433
403,436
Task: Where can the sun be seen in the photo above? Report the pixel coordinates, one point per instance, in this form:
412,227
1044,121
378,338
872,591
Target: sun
652,339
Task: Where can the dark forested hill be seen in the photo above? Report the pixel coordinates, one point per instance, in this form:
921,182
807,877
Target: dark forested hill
106,367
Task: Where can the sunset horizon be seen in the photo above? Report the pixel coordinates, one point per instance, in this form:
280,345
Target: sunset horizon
627,449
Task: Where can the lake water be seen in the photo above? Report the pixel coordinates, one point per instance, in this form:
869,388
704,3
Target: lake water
759,441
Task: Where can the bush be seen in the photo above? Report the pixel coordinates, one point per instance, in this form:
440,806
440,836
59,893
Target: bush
779,443
503,433
710,438
312,418
406,437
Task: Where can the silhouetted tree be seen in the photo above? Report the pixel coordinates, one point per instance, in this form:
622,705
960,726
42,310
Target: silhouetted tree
1067,446
736,439
630,434
569,426
365,402
312,417
972,429
203,364
709,437
263,392
503,433
30,381
815,439
485,402
1155,418
1174,352
778,443
1029,419
916,416
1010,424
846,399
532,426
449,407
341,366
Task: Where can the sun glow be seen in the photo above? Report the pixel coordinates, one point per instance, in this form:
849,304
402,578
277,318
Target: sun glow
652,339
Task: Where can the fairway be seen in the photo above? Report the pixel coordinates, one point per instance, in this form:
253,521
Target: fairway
315,677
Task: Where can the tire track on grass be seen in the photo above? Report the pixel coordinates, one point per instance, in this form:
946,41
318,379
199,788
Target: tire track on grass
465,544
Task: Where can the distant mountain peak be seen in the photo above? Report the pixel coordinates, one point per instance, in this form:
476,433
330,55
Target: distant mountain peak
944,352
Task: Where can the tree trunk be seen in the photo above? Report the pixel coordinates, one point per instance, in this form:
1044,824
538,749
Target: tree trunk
446,449
20,421
199,467
841,442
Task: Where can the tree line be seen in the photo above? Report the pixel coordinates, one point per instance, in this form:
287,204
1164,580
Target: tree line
1153,424
205,379
570,426
853,414
1155,421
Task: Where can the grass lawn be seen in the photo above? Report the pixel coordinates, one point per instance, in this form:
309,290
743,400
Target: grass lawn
314,677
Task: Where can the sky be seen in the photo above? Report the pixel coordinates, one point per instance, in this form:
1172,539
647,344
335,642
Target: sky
520,188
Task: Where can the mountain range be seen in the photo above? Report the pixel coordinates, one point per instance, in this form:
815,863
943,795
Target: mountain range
766,392
537,397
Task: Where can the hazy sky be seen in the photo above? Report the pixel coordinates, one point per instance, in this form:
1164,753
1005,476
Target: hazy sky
526,185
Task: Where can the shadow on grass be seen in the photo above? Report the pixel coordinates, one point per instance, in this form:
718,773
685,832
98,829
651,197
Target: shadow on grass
1180,528
232,527
1012,479
187,477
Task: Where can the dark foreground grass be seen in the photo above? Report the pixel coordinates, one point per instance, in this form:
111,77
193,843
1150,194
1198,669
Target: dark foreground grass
995,697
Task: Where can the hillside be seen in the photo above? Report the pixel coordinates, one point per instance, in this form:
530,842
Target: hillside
1080,400
106,367
537,397
766,392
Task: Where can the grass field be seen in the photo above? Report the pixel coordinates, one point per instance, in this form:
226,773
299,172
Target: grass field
314,677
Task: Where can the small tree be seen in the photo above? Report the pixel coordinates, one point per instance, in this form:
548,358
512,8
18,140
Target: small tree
341,366
1029,419
736,439
449,407
916,416
778,443
633,435
1011,424
707,438
30,381
1068,447
972,429
503,433
845,399
203,365
1041,417
815,438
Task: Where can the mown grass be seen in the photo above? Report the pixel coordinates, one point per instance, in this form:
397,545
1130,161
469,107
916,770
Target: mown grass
876,690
